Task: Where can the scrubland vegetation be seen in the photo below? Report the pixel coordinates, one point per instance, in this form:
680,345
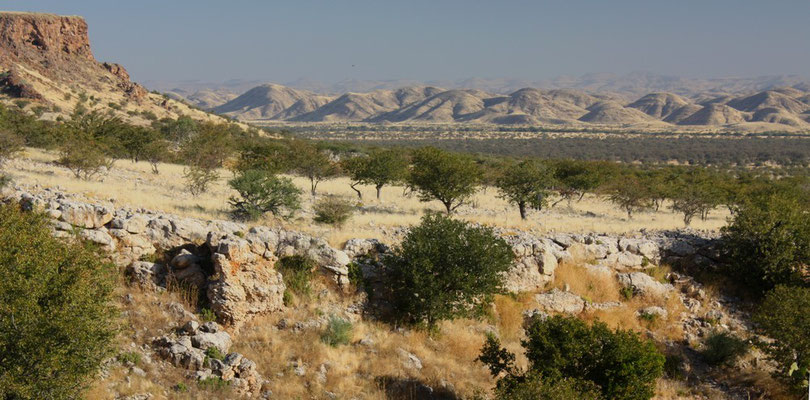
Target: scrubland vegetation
445,289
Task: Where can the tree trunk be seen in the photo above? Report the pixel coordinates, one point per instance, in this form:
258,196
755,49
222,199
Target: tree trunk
359,193
313,185
522,208
447,205
379,191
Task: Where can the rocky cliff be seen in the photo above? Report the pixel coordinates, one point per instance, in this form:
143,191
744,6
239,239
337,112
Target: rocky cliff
47,59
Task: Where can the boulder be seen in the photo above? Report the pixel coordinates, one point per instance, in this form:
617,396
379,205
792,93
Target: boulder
98,237
184,259
203,340
643,247
625,259
246,285
653,312
85,215
147,275
644,284
560,302
533,267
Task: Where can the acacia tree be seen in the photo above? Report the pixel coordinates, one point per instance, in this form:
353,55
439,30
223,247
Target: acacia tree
450,178
84,156
309,161
576,178
526,184
261,192
695,193
631,194
446,269
380,168
204,153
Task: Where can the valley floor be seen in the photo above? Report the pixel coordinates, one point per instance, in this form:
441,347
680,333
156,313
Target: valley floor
133,184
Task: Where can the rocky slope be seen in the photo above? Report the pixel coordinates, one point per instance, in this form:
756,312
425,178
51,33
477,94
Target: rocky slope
785,108
46,63
234,268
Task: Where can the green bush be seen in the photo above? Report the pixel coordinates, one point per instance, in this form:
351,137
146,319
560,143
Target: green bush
4,180
10,145
58,320
297,272
213,383
723,348
784,316
534,387
333,210
621,364
445,269
214,353
338,332
206,315
768,240
261,192
129,357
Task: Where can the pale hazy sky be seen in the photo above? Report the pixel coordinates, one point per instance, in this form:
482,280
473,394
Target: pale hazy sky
333,40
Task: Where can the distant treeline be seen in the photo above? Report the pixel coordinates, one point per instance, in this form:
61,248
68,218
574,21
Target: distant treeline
692,150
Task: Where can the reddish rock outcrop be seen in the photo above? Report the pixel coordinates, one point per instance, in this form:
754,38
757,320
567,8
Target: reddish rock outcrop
26,36
57,48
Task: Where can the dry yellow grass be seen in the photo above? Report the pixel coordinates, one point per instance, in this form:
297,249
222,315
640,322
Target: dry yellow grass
133,185
598,288
593,287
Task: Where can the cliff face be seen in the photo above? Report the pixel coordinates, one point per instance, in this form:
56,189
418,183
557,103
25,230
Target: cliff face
43,37
43,57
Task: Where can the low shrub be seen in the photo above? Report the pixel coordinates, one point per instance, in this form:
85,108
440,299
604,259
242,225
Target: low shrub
207,315
129,357
338,332
622,365
213,383
723,348
297,272
57,316
214,353
333,210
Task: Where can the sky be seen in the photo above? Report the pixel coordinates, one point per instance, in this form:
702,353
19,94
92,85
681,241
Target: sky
424,40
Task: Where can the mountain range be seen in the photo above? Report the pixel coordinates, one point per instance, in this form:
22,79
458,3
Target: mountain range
775,108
